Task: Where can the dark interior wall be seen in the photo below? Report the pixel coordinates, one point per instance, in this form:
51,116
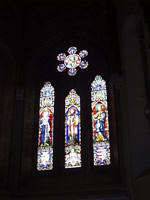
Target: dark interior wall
7,93
133,54
134,51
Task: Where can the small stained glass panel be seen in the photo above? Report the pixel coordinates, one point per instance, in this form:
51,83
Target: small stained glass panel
72,131
45,158
83,64
101,154
72,61
83,53
61,67
61,56
46,128
72,50
72,72
100,124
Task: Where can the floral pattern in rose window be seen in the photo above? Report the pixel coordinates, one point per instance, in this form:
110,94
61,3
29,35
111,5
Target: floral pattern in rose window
72,61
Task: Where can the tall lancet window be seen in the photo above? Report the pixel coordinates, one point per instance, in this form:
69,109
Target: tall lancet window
46,128
72,131
100,124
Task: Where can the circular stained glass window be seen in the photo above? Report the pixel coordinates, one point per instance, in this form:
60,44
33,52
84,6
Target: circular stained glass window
72,61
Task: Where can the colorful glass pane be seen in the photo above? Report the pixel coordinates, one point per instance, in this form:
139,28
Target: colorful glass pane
46,128
72,61
61,56
72,131
83,53
72,50
100,124
83,64
61,67
72,72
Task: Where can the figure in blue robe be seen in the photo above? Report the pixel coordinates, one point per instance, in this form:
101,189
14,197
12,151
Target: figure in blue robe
102,124
45,127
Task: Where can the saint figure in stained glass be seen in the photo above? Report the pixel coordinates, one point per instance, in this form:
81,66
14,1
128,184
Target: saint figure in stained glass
100,124
72,125
72,131
46,116
45,127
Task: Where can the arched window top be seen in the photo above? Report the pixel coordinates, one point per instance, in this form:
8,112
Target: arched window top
98,83
72,98
47,91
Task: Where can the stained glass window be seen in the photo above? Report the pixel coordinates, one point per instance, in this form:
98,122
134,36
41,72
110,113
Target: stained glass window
72,61
46,128
72,131
100,124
